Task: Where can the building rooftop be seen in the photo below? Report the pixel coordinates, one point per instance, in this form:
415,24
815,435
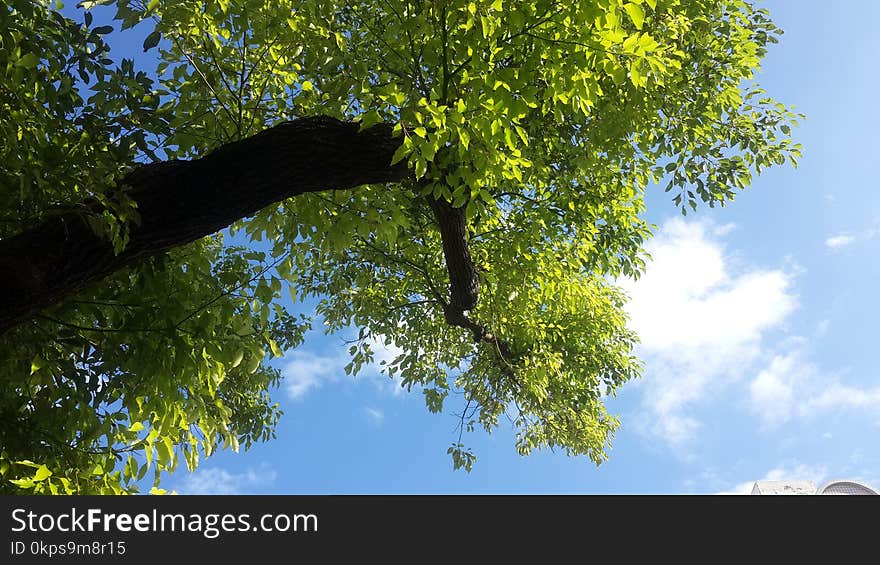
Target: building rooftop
808,487
784,487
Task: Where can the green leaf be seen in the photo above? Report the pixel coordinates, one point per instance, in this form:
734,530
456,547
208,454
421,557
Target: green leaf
42,473
465,138
369,119
37,363
239,355
89,4
163,453
152,40
508,139
421,167
636,14
400,154
27,61
635,74
253,364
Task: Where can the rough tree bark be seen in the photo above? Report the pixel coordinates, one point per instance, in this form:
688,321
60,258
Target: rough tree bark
464,281
181,201
464,284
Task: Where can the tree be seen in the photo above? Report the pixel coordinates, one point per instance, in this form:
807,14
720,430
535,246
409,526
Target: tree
463,179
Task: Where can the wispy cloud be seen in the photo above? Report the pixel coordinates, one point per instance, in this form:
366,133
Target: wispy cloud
773,390
837,241
701,321
216,480
374,416
791,386
844,239
838,396
797,471
741,488
304,371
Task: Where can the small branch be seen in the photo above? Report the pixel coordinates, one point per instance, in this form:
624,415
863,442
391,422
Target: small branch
232,290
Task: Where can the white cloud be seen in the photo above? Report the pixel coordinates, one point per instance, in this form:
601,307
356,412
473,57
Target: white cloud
840,240
216,480
688,298
672,426
741,488
844,239
724,229
791,387
837,396
774,391
701,320
374,415
304,371
796,471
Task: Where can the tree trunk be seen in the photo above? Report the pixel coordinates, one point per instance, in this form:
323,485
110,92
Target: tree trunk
182,201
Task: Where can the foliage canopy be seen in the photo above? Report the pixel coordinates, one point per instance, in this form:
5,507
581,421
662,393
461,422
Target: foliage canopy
544,120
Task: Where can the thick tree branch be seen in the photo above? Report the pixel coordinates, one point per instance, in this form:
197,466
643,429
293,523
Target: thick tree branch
182,201
464,282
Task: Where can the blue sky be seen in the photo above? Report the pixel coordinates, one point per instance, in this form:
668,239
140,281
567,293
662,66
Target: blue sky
758,324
